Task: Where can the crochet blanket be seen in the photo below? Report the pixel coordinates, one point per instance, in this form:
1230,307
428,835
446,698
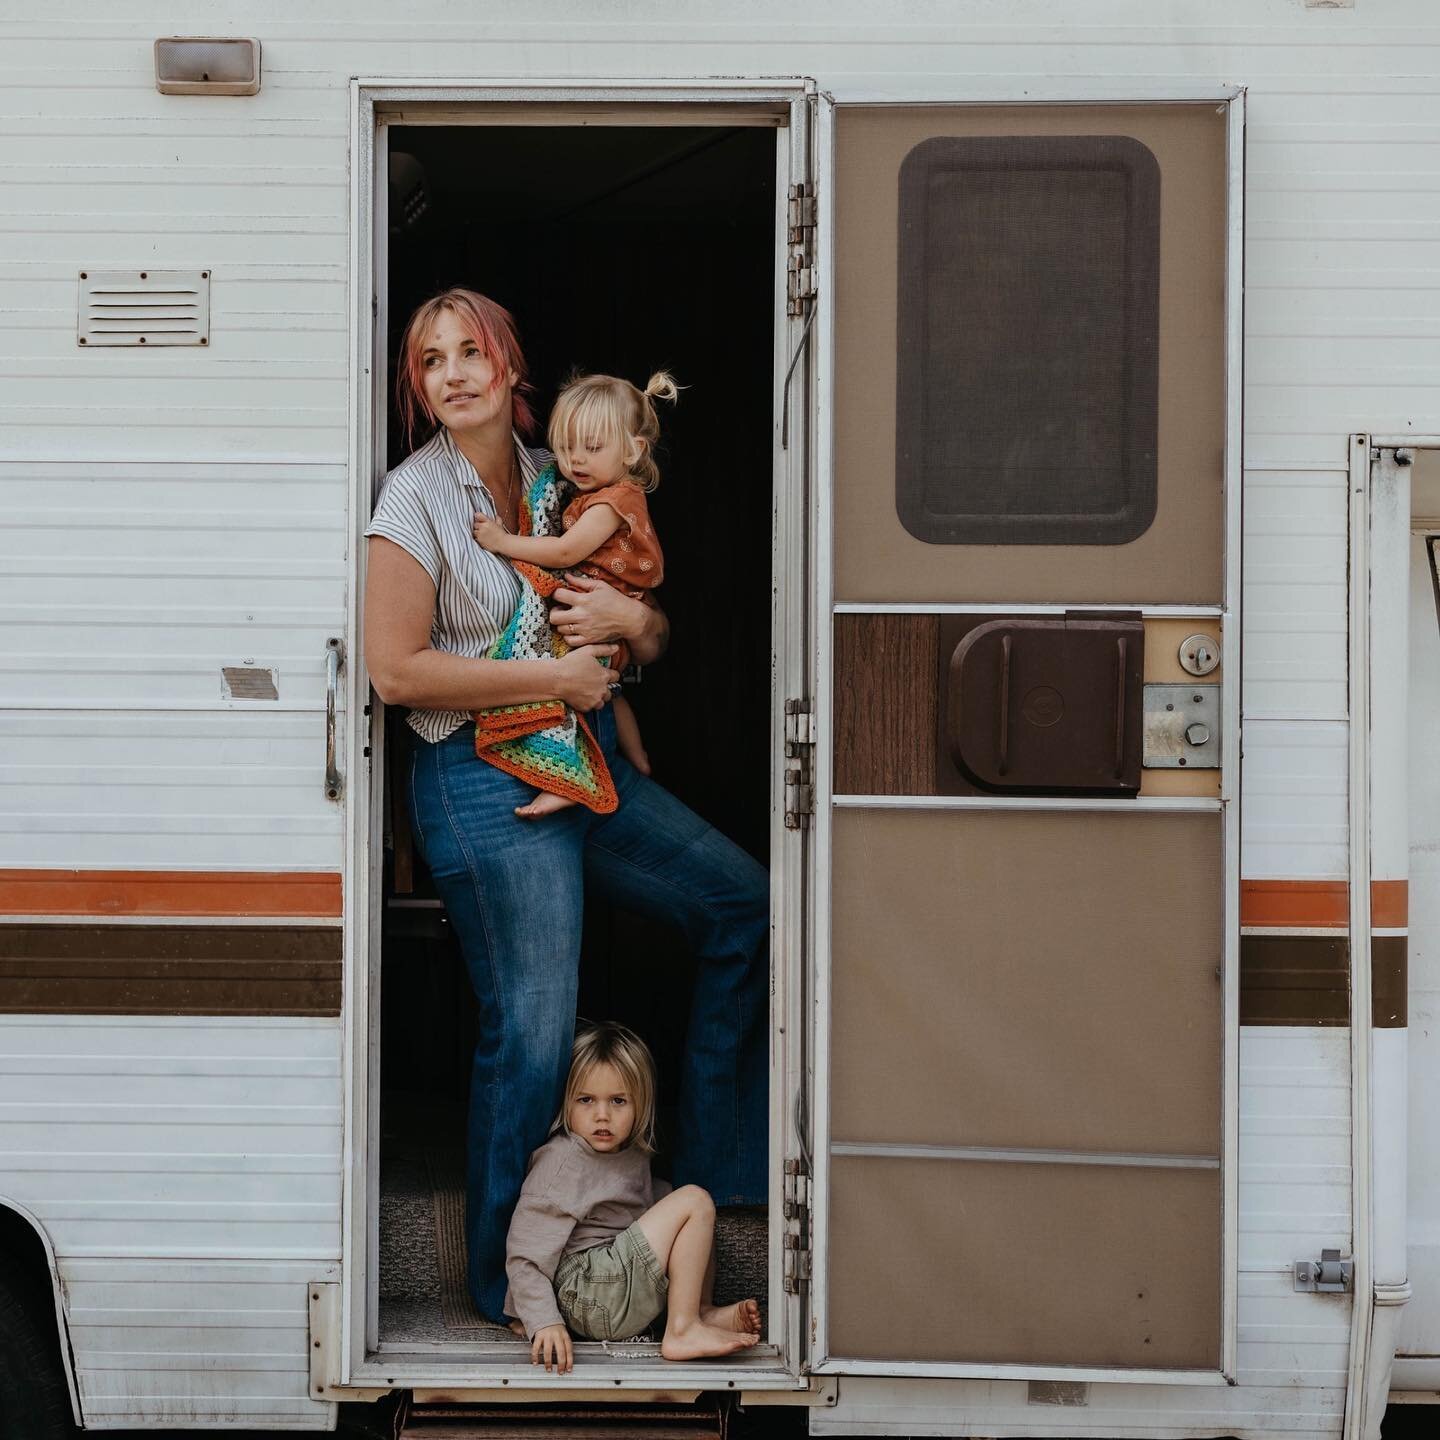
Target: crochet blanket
543,742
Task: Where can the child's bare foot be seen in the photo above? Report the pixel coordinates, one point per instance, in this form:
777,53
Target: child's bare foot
698,1340
518,1326
543,804
743,1316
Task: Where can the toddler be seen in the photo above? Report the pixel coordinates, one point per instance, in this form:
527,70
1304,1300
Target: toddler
603,432
591,1246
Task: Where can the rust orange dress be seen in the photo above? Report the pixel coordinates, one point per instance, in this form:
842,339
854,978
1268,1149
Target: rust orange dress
630,560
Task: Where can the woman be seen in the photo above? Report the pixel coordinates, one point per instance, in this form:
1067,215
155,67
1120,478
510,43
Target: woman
513,889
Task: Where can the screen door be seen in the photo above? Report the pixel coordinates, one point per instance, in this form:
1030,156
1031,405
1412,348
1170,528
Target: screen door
1026,851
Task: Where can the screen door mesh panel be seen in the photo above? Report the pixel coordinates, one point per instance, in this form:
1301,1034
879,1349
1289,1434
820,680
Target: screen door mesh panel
1027,384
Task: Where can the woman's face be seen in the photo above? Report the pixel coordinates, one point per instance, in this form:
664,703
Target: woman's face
461,379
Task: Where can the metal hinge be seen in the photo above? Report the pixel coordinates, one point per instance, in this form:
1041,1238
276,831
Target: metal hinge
1330,1274
797,1226
800,235
799,749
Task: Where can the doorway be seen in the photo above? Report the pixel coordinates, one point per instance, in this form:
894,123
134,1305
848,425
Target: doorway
621,249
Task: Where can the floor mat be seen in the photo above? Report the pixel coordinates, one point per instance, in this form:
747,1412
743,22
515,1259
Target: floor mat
423,1294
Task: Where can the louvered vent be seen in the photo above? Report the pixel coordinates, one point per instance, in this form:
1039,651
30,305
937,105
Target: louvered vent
144,307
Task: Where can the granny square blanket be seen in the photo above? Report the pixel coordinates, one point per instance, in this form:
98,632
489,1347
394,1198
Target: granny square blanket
543,742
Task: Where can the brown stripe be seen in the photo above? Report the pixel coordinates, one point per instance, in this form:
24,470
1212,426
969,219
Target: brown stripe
1294,980
1389,981
169,893
1295,903
1389,904
169,970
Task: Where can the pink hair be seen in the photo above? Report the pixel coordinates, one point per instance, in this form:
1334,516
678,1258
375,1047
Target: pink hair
490,326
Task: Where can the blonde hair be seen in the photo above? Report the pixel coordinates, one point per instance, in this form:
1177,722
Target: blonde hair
608,408
609,1043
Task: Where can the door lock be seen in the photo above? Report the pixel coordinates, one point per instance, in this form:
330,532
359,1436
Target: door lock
1199,654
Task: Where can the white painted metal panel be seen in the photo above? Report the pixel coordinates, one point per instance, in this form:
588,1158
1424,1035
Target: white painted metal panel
1295,598
1294,1147
236,790
193,1343
174,1137
1294,820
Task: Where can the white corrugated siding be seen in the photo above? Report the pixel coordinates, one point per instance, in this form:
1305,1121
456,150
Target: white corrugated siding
1343,324
193,1343
187,1172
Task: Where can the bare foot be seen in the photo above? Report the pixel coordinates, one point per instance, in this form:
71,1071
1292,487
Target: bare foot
543,804
518,1326
698,1340
743,1316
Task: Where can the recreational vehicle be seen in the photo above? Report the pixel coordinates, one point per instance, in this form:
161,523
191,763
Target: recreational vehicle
1051,520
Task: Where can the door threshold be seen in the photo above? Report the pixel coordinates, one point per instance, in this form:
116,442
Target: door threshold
455,1366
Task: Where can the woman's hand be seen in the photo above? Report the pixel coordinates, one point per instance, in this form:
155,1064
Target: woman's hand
581,682
587,611
552,1344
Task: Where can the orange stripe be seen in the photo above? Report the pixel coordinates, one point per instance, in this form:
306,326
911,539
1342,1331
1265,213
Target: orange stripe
1389,904
168,892
1282,903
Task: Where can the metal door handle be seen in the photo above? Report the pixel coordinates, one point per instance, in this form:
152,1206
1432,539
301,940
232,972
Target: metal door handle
1004,765
334,658
1120,658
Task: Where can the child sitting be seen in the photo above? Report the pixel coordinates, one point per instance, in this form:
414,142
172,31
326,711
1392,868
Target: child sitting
590,1247
603,432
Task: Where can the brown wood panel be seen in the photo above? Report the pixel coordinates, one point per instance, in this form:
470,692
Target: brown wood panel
1027,1264
1178,559
885,704
1389,981
312,895
1295,979
1052,977
170,970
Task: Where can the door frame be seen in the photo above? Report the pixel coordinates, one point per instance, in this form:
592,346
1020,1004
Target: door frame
375,104
920,92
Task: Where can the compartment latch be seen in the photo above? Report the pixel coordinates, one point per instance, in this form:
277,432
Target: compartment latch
1330,1274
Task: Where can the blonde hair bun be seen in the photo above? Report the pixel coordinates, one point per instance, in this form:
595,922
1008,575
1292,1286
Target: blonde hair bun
661,386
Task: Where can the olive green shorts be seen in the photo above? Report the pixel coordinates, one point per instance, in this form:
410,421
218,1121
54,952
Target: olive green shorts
611,1292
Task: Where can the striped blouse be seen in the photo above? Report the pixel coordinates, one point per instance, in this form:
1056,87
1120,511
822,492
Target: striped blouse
426,506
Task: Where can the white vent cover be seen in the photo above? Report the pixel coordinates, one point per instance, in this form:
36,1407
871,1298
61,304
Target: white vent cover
144,307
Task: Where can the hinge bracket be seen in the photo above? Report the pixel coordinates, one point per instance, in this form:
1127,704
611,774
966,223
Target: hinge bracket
1331,1274
799,752
800,236
797,1226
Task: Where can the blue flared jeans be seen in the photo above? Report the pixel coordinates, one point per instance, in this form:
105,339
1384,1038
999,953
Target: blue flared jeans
514,891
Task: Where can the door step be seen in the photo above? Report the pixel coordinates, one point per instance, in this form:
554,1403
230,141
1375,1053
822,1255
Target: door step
620,1421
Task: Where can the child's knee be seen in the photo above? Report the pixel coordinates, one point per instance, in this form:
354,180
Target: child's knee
697,1199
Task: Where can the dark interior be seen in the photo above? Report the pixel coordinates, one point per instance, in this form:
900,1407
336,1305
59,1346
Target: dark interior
621,250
